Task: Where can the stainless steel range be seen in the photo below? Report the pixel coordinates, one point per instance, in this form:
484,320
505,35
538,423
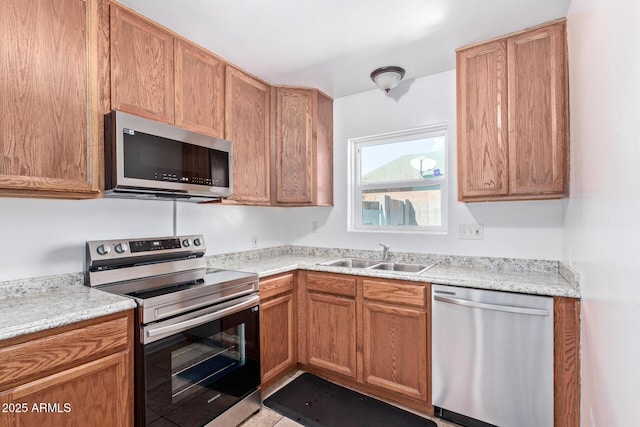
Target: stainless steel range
197,356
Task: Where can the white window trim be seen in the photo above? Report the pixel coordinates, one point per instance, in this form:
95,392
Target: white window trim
354,209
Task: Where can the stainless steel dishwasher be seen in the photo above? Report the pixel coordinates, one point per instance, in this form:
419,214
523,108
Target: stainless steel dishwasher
492,357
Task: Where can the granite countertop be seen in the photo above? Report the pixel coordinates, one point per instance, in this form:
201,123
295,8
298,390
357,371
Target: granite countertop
522,276
32,305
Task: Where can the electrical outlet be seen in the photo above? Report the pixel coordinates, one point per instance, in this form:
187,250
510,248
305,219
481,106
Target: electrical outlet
314,226
471,231
254,241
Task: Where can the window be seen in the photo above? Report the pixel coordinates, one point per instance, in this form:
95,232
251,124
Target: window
398,181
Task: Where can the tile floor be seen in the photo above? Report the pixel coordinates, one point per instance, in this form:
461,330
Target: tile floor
269,418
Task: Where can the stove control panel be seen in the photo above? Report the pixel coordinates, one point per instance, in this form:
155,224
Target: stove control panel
125,248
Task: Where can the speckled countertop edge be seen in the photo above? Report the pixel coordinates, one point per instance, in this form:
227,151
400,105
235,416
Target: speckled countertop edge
37,304
538,277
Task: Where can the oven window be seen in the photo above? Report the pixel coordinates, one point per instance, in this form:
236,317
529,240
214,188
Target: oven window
193,376
206,359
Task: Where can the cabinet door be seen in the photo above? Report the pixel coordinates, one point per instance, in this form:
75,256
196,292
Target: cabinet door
482,121
50,134
331,333
294,151
277,336
395,349
142,80
538,113
247,126
91,394
199,94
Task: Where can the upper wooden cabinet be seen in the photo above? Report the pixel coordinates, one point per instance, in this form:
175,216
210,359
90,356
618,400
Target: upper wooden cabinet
200,84
50,133
247,126
303,149
513,117
142,71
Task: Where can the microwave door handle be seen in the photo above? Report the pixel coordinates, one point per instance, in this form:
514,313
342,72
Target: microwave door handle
183,326
495,307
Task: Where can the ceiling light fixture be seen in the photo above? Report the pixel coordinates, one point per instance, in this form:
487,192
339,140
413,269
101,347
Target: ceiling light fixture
386,78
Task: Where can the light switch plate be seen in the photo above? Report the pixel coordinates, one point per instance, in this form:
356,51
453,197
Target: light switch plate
471,231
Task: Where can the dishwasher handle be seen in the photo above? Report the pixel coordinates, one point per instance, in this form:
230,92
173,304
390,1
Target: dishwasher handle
495,307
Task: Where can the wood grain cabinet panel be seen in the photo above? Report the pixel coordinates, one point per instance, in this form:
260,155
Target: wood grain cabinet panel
93,394
395,292
512,111
370,334
566,351
294,146
395,349
331,333
482,121
278,326
538,118
247,122
82,373
303,150
337,284
50,134
278,345
199,90
142,67
38,356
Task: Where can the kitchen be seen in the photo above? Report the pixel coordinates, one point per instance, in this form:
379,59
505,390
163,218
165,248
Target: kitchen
592,230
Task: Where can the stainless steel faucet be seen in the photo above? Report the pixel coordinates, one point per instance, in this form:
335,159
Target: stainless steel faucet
386,255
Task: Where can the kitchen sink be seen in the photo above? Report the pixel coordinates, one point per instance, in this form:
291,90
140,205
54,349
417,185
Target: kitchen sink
401,266
352,263
369,264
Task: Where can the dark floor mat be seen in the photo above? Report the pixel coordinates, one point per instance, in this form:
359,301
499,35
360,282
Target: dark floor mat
314,402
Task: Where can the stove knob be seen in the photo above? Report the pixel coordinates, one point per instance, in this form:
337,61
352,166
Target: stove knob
197,241
121,248
186,243
103,249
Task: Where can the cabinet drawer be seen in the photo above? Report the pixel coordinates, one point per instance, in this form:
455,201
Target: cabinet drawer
395,292
332,284
47,354
276,285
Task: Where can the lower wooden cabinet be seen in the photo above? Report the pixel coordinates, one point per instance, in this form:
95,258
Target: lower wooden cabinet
79,375
370,334
331,333
395,349
278,326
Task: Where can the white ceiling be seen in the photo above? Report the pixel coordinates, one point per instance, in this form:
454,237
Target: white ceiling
333,45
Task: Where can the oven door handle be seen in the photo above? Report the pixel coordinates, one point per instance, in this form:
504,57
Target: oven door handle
182,326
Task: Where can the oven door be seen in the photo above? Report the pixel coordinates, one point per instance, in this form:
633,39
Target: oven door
194,367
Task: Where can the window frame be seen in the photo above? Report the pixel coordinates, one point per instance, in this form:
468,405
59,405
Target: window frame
355,189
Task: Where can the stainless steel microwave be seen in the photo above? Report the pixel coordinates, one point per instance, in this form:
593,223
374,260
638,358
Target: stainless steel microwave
152,160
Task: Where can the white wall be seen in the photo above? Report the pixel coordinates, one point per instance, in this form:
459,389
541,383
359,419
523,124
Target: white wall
46,237
512,229
601,220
